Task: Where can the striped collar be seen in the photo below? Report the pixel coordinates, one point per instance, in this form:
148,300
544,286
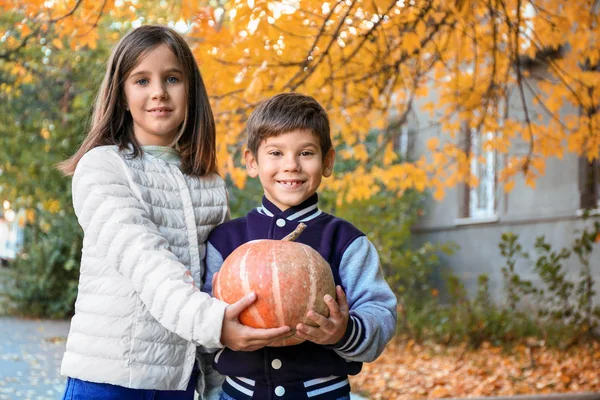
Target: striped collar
303,212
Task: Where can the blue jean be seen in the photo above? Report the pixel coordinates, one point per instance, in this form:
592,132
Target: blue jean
83,390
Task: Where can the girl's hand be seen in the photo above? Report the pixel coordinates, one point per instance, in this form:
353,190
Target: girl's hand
330,330
240,337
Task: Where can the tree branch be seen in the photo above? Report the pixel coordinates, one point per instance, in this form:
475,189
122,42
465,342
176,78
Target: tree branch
311,69
7,55
517,61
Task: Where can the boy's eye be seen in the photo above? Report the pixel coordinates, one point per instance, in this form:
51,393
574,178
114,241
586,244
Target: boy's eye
142,82
172,79
275,153
307,153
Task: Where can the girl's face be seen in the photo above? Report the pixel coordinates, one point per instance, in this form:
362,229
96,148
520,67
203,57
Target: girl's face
156,97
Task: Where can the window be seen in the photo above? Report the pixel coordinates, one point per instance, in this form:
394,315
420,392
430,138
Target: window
481,199
589,183
403,142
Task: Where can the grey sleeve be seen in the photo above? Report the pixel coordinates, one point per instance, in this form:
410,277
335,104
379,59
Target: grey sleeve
372,303
213,262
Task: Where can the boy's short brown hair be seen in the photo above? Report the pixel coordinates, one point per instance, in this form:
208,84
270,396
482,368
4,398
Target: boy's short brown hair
287,112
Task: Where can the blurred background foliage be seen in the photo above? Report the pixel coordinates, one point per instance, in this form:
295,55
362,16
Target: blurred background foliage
47,90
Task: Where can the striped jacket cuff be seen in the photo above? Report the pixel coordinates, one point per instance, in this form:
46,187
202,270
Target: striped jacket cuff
353,337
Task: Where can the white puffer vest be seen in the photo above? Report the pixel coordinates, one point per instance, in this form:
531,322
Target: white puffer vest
139,312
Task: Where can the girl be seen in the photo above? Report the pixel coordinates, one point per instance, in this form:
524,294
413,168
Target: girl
146,193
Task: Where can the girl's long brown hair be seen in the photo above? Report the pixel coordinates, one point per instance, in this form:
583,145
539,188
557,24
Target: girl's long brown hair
112,123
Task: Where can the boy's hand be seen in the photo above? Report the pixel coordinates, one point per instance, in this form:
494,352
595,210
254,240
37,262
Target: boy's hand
330,330
240,337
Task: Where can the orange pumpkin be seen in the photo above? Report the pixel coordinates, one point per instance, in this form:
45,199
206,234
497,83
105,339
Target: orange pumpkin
289,279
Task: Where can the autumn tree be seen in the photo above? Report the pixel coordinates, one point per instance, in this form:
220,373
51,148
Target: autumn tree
370,63
366,61
522,75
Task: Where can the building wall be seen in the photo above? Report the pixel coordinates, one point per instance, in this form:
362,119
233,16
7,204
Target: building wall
479,253
550,209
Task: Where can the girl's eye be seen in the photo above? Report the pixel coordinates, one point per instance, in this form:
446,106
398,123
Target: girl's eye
172,79
307,153
275,153
142,82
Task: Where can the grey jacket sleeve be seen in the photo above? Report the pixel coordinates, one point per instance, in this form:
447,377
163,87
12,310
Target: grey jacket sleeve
213,262
373,314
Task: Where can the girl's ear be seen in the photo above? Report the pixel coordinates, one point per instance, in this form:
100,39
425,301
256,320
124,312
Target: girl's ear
328,163
251,164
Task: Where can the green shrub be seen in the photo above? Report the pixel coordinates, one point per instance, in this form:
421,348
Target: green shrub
43,279
566,308
566,312
387,220
467,320
43,122
514,286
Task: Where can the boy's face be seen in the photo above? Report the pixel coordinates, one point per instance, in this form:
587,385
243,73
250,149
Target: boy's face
290,167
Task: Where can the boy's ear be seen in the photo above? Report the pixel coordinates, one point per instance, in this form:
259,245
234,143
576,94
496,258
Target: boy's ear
328,163
251,164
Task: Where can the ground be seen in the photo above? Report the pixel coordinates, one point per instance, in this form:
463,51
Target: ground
30,353
407,370
31,350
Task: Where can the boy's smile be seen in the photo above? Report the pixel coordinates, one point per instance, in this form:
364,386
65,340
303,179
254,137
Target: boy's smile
290,167
291,183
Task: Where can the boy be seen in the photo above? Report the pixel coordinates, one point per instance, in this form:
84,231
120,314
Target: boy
290,150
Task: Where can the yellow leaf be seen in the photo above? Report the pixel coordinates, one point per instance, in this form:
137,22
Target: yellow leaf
360,152
345,154
509,186
30,215
238,175
438,17
58,43
422,91
390,155
51,205
473,181
421,29
439,193
410,42
433,144
420,184
429,106
539,164
25,30
530,180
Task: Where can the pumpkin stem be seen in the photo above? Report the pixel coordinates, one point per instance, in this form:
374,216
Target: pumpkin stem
294,235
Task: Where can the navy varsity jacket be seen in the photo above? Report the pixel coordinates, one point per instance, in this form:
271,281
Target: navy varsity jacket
308,370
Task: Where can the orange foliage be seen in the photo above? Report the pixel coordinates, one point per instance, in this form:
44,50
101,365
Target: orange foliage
412,371
467,63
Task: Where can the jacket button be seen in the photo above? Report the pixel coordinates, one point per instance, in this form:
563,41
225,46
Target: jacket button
279,391
280,222
276,363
